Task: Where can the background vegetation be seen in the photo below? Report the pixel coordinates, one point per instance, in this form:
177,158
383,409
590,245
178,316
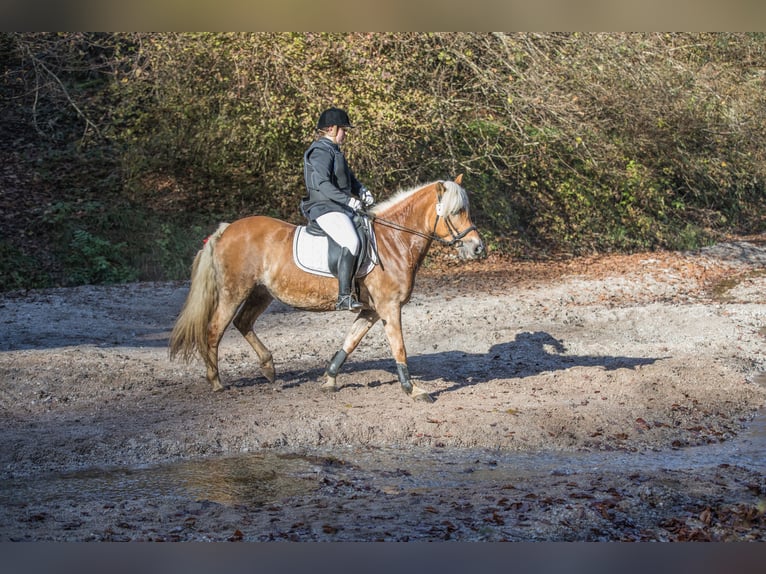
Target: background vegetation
121,152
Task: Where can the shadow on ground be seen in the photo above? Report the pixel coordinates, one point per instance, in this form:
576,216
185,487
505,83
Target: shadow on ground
529,354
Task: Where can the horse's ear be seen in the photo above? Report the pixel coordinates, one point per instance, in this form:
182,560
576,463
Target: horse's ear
459,179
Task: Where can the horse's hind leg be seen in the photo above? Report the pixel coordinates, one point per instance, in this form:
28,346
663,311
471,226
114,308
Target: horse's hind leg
221,318
251,309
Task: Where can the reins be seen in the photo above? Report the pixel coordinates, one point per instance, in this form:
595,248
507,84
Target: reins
457,236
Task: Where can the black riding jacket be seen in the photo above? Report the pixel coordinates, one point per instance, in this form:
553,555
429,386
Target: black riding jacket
329,181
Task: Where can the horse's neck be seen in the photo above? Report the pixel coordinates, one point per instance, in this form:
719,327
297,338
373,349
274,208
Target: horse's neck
411,215
413,211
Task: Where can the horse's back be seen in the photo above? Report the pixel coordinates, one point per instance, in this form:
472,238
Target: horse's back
258,228
248,243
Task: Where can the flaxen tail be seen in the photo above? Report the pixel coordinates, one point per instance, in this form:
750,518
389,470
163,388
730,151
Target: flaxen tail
189,334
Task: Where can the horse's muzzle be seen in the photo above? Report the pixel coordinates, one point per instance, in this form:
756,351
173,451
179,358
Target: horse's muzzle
471,249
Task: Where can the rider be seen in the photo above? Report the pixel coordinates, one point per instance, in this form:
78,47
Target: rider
334,195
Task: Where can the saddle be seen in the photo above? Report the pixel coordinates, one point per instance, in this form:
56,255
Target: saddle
316,253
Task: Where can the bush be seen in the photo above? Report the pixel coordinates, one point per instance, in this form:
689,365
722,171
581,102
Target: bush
570,143
20,270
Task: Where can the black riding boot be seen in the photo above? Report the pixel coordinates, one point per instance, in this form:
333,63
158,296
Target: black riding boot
346,299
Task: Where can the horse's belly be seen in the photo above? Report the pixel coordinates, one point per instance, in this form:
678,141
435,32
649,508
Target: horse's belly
311,292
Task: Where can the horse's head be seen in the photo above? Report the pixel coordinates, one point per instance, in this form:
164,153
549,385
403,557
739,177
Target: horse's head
453,225
441,215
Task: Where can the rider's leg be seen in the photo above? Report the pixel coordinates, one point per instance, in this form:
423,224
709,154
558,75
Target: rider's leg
346,297
340,228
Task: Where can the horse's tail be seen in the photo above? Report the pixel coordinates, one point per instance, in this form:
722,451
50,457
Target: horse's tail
189,334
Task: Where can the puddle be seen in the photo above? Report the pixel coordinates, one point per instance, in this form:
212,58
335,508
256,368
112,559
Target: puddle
263,478
254,479
260,479
445,467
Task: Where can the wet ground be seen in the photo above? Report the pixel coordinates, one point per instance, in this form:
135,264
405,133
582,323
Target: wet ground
612,398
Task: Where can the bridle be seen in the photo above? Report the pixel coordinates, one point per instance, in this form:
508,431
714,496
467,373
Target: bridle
456,237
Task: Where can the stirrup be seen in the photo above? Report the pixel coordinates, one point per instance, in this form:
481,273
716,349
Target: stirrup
347,303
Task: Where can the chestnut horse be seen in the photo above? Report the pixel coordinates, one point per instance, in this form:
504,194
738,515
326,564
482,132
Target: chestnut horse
244,265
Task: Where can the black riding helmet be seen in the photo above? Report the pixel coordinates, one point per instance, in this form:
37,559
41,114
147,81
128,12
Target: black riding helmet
333,117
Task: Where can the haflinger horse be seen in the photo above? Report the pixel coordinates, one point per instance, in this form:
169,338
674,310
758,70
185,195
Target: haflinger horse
244,265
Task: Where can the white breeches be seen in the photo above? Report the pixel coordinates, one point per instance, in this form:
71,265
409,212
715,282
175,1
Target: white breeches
341,229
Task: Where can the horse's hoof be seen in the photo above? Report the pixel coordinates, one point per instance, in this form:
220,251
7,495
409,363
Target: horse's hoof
217,388
422,397
329,386
268,371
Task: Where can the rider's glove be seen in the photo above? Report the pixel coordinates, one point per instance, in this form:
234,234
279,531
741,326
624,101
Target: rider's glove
354,203
366,197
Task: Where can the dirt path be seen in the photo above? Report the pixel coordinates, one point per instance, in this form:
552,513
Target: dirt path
564,395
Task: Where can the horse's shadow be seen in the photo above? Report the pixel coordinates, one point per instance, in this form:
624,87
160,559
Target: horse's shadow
527,355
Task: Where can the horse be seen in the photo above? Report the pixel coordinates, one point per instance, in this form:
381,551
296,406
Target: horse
246,264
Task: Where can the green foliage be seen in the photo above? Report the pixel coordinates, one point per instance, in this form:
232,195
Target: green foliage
121,242
93,259
85,253
165,249
570,143
19,270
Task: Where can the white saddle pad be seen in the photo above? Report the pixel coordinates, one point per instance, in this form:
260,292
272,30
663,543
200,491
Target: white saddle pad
310,254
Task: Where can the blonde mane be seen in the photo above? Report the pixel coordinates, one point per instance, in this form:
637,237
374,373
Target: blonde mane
454,199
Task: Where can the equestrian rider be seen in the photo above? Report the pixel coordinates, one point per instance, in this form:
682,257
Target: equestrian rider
334,195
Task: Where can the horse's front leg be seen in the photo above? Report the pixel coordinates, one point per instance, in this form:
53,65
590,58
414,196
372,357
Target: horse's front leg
393,328
361,326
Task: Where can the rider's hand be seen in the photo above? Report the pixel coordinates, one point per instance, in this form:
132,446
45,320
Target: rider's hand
354,203
366,197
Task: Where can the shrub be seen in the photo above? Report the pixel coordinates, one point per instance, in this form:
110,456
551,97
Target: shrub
570,143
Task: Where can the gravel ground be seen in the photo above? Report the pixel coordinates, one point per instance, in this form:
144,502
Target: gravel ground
602,398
